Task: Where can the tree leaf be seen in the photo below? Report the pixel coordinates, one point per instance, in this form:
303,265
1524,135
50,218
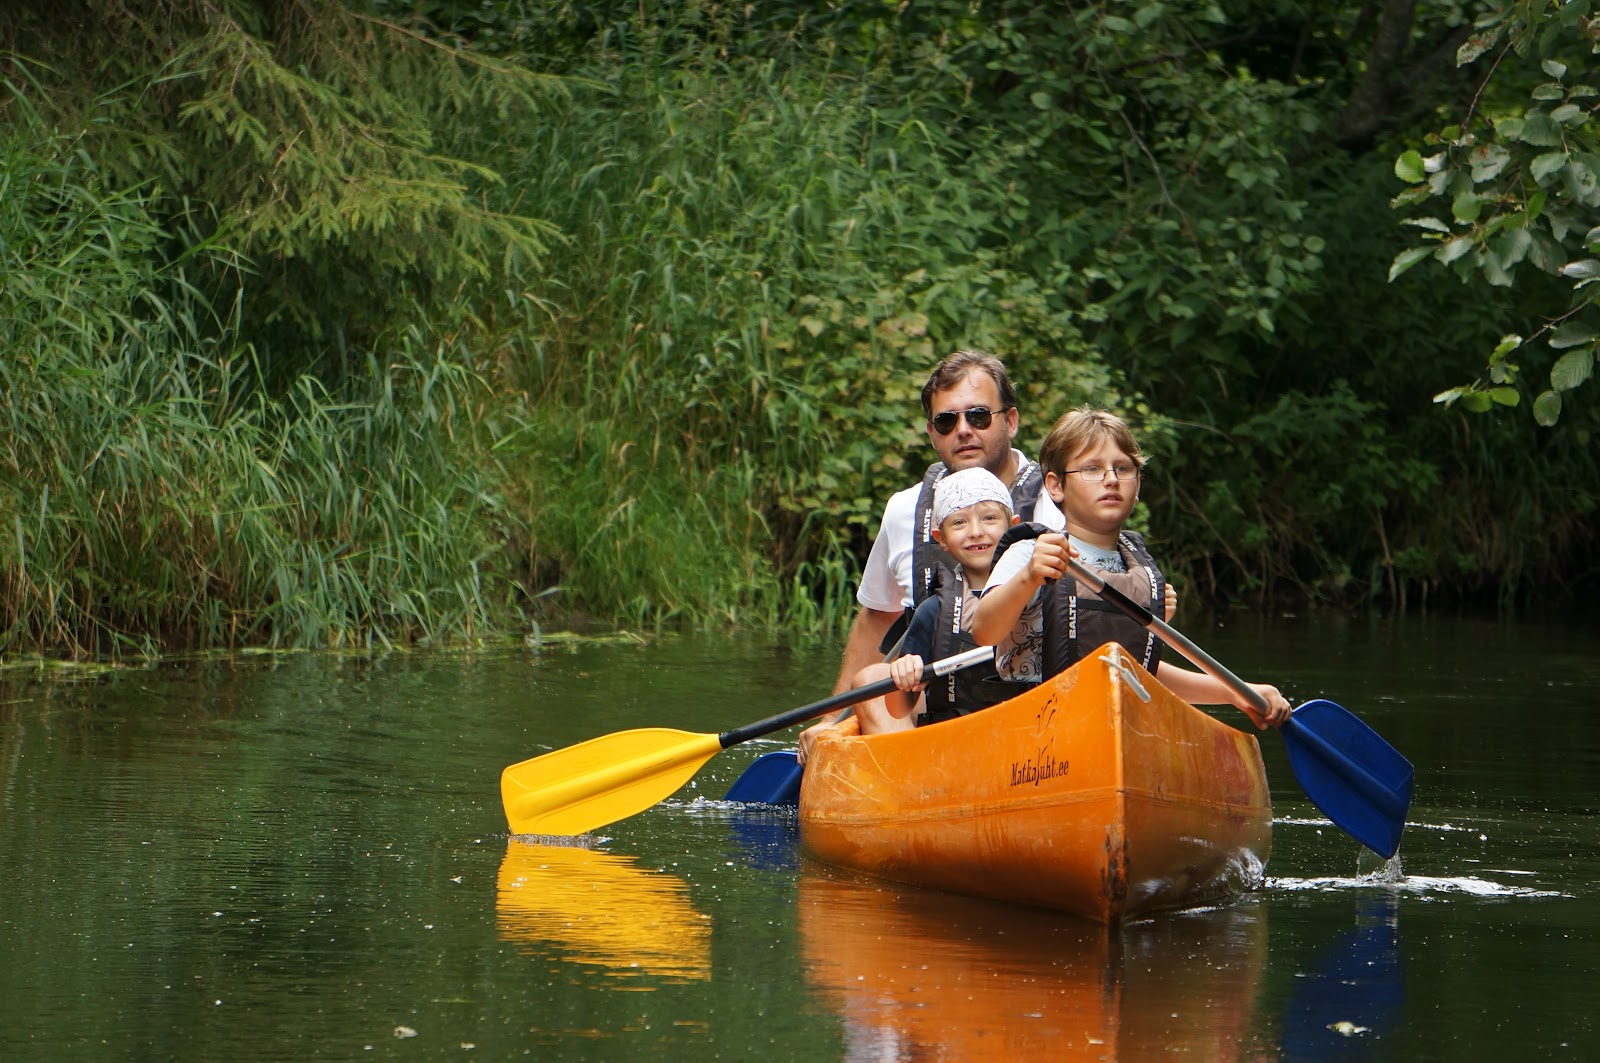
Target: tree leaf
1547,408
1411,196
1555,69
1406,259
1477,44
1548,163
1572,369
1147,14
1507,344
1431,224
1550,90
1541,131
1569,114
1504,396
1409,167
1581,269
1512,246
1571,334
1546,253
1454,249
1488,160
1467,207
1493,272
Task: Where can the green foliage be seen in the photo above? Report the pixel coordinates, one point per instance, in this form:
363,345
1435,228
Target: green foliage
765,261
338,155
152,493
1521,175
612,529
332,323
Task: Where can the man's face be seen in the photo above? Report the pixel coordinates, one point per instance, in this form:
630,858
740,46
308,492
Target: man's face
966,447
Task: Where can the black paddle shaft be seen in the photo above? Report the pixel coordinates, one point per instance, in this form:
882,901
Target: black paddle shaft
1207,663
849,697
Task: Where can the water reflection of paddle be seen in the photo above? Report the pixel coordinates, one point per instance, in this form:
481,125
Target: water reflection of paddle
1355,993
917,974
601,908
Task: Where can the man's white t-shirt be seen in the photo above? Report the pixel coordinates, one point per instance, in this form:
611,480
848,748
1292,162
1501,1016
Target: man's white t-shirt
886,581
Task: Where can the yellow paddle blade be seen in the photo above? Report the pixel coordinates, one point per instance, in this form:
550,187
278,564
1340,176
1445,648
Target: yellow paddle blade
583,787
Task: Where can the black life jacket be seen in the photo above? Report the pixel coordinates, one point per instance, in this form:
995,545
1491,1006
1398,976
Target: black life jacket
927,556
1078,621
967,689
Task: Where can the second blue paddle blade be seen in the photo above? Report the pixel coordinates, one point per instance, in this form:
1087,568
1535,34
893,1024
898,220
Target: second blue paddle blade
1359,781
771,779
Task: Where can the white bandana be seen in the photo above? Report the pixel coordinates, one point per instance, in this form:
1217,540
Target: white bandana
966,488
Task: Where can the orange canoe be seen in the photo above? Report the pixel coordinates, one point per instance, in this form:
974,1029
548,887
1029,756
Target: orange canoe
1099,793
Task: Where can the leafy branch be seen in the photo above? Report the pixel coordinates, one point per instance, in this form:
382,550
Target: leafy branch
1514,186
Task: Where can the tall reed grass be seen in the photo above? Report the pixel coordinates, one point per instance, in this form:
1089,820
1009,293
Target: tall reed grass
155,492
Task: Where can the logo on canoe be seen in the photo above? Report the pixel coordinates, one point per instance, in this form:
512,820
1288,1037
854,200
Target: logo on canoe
1037,769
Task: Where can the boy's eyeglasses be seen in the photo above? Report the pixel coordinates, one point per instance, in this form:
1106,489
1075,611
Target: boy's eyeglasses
1094,474
979,417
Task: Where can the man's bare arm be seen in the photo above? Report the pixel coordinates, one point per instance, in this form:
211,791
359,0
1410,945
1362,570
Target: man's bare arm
860,650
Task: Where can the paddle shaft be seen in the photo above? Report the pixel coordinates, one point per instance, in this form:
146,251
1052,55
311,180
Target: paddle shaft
849,697
1348,770
1171,635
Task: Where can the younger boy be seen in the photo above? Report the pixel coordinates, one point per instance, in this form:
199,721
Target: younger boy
1039,627
971,511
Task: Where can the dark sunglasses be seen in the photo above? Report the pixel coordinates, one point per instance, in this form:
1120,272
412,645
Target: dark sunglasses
979,417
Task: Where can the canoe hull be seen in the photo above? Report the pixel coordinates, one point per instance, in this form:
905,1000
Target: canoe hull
1099,793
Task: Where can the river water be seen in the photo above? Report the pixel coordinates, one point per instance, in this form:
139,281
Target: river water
302,856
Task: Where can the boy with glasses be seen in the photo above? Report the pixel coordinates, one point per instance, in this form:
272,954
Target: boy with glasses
1039,626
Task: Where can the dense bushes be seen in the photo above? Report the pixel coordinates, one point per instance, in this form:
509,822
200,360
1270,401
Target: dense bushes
323,327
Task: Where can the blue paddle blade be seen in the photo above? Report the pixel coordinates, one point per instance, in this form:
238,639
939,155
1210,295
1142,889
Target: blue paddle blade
1359,781
771,779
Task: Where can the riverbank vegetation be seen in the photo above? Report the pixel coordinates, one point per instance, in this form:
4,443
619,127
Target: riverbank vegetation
383,322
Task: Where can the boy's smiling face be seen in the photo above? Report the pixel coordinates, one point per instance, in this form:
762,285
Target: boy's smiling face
1095,511
971,534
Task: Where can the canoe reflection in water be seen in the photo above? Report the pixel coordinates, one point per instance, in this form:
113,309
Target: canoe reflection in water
921,975
599,908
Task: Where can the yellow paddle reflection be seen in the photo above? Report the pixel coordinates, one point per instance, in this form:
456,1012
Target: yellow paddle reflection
916,974
603,909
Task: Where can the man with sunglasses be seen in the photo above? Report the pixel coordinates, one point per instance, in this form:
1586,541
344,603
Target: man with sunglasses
972,417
